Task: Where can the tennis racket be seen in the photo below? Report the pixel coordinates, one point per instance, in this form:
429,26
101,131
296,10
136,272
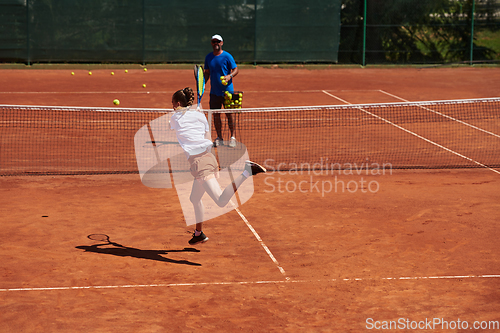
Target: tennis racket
200,82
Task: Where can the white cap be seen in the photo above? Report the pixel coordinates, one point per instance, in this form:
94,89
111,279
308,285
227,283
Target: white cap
219,37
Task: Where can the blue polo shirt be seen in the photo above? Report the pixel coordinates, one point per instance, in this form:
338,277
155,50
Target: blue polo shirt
220,65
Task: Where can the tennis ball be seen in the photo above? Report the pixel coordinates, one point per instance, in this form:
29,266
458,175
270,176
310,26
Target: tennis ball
126,71
72,73
90,73
116,102
144,86
145,69
112,73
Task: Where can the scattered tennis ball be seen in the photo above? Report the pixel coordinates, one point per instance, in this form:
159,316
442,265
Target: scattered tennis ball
144,85
72,73
90,73
145,69
126,71
116,102
112,73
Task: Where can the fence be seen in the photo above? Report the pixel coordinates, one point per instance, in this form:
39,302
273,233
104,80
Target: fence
168,31
254,31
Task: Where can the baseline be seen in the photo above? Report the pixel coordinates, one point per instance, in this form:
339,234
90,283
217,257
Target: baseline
196,284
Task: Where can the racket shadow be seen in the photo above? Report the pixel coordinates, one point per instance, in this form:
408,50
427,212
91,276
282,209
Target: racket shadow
115,249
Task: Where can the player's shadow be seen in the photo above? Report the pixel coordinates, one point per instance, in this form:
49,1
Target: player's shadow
119,250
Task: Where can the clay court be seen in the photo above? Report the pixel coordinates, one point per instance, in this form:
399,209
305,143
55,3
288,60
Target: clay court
407,247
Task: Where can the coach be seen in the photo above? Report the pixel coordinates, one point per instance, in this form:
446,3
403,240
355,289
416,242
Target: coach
217,64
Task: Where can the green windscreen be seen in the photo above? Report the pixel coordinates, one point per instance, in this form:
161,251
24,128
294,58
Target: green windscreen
168,31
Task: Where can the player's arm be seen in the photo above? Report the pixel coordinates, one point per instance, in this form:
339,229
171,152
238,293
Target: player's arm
206,74
208,135
232,74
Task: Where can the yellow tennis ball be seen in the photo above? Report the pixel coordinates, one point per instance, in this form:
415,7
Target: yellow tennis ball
72,73
144,86
145,69
90,73
112,73
126,71
116,102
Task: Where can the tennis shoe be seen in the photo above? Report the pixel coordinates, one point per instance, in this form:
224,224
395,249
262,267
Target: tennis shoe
254,168
218,142
198,239
232,142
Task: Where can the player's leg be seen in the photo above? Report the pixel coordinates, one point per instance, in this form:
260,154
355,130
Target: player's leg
230,124
216,104
218,127
221,198
197,192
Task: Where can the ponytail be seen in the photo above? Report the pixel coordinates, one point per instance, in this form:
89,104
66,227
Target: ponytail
185,96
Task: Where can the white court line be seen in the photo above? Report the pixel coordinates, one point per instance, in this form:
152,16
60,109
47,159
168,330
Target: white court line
262,243
197,284
340,99
444,115
419,136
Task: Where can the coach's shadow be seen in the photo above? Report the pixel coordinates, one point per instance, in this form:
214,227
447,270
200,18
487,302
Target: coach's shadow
126,251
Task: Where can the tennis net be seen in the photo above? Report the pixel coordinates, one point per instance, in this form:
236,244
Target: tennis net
45,140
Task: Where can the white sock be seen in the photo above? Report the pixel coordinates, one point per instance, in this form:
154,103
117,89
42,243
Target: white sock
246,174
197,233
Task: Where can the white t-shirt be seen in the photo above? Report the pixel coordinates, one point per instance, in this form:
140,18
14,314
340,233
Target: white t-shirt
190,127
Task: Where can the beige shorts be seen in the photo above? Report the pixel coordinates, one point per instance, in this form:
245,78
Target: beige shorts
204,166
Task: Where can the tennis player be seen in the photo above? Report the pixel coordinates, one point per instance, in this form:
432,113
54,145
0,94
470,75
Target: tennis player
220,63
193,134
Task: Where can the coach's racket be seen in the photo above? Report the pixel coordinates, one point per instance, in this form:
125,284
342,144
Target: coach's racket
200,81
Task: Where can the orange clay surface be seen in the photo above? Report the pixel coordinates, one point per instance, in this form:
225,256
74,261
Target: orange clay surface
401,246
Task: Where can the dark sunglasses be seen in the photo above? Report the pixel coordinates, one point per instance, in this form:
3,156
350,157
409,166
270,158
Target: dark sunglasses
215,41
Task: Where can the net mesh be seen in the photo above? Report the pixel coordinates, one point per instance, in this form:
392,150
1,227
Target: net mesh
441,134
